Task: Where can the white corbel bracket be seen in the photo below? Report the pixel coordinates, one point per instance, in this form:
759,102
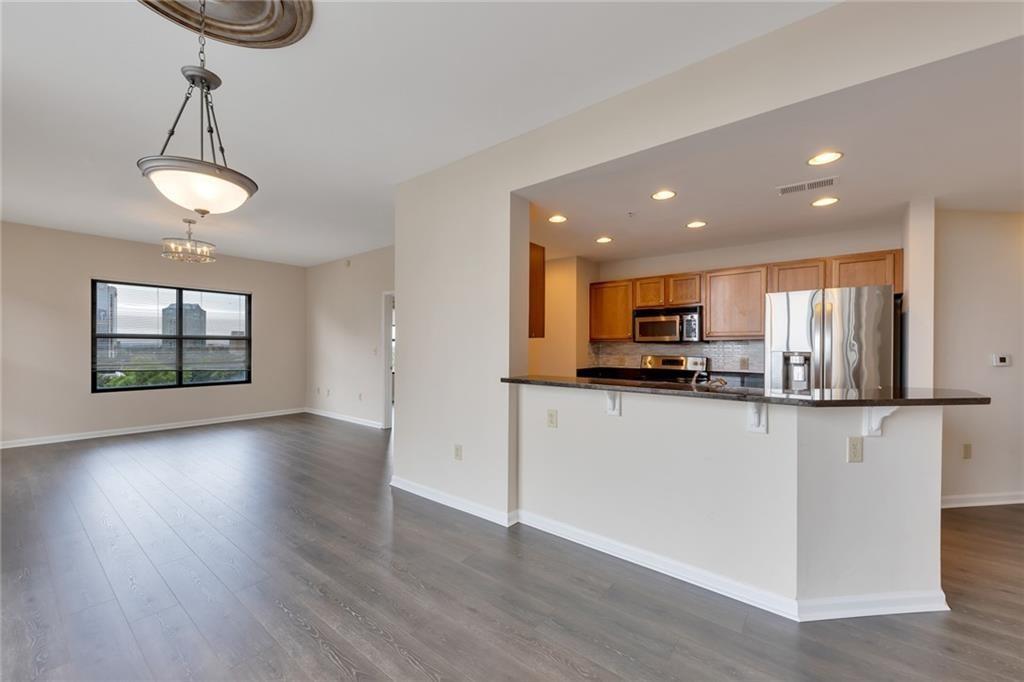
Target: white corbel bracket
757,417
614,403
873,418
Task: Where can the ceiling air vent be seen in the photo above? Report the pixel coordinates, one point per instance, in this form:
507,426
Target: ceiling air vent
809,184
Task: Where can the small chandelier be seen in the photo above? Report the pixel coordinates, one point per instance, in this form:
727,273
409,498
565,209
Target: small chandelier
197,184
187,250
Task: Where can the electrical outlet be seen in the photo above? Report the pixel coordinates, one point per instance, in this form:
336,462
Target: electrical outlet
966,451
1001,360
318,390
552,419
360,397
458,453
328,391
855,449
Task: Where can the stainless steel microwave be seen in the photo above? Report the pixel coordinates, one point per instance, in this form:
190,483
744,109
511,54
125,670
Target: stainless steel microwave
671,328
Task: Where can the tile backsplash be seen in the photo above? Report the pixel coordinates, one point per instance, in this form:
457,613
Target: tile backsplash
722,356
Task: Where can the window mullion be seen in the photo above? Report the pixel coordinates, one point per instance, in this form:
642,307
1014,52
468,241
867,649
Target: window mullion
180,342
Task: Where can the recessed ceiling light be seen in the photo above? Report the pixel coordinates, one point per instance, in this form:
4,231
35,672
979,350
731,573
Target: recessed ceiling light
696,223
603,240
557,218
824,201
663,194
823,158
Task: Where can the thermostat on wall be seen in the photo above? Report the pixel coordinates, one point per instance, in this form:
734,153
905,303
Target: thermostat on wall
999,360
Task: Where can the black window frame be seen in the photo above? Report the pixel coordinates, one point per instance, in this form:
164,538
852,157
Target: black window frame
179,337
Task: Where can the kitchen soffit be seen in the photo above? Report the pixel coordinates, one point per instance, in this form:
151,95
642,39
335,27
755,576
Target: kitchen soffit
950,129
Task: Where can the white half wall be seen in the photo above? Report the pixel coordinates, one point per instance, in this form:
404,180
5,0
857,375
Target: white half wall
346,355
566,342
46,293
778,520
680,478
979,311
456,246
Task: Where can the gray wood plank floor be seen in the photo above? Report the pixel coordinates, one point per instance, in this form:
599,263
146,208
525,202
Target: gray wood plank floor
274,549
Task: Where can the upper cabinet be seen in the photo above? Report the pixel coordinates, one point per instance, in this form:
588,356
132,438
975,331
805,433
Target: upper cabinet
733,298
684,289
649,292
797,275
536,291
734,302
867,269
611,311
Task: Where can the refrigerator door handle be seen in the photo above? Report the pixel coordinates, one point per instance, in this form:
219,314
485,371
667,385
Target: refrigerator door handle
827,306
814,324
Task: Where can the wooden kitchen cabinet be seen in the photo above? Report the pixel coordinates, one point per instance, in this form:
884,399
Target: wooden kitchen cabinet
649,292
684,289
537,274
611,310
734,302
867,269
797,275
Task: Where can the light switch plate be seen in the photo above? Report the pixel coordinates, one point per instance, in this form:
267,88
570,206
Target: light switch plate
855,449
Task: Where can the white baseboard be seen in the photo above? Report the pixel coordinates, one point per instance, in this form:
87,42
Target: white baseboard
748,594
85,435
982,499
859,605
462,504
799,610
64,437
345,418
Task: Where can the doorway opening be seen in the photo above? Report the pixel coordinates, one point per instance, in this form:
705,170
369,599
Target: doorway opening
389,344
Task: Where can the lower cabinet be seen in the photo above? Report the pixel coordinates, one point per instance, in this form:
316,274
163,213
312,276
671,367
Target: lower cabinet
734,302
611,311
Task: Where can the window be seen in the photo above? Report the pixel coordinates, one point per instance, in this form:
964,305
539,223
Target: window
140,341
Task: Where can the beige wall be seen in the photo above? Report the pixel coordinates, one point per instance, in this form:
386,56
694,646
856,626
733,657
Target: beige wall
461,242
919,294
46,335
345,318
566,318
979,310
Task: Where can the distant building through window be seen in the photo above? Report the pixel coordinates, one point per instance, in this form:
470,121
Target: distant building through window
141,341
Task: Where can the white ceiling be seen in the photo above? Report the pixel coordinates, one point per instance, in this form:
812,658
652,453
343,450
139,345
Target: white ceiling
375,94
953,129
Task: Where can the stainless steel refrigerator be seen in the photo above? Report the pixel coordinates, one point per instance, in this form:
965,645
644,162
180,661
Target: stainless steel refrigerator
828,342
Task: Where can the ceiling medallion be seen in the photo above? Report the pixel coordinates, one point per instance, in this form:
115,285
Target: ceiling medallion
197,184
187,250
252,23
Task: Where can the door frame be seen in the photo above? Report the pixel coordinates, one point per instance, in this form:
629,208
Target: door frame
387,305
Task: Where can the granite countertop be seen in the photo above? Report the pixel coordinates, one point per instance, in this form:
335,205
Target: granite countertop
821,398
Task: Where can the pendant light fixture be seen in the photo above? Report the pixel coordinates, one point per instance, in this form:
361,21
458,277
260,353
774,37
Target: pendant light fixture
200,185
188,250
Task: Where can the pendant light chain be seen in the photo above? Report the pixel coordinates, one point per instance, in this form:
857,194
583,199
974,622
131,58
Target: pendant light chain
202,33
